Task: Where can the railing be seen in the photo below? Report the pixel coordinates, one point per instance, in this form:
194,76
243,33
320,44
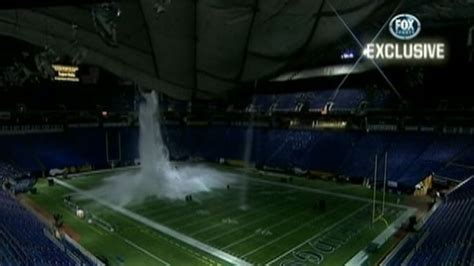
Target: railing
30,129
84,252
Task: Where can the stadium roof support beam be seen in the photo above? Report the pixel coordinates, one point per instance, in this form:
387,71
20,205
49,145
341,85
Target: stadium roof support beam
327,71
247,42
33,28
238,43
148,17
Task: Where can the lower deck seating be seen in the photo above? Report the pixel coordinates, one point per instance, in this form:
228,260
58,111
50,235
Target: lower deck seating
18,180
22,239
411,156
8,171
447,237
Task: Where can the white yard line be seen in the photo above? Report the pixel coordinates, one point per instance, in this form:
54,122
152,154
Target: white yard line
225,208
324,192
166,209
263,181
145,206
229,257
96,230
290,232
159,227
318,234
145,251
170,211
248,213
273,225
264,203
247,224
321,191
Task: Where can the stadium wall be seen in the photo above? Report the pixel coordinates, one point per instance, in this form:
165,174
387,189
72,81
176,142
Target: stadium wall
412,156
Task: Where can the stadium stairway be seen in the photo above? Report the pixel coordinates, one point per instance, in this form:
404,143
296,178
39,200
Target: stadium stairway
22,238
446,238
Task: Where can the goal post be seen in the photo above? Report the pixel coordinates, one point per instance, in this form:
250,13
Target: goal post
374,187
376,217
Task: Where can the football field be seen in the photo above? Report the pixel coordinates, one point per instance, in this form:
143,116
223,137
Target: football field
257,220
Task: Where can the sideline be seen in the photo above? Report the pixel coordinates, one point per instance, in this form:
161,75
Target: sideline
168,231
145,251
318,234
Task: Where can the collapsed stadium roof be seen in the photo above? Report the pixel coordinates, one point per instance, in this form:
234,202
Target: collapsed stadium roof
205,48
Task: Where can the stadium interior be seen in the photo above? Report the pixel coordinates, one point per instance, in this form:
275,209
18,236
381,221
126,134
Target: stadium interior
218,132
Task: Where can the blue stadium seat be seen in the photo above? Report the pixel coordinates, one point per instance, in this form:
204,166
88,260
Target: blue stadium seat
22,239
349,99
447,235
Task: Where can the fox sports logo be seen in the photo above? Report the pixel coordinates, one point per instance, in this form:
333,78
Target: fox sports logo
405,26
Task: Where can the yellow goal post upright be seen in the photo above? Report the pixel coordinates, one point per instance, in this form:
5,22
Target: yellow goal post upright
375,218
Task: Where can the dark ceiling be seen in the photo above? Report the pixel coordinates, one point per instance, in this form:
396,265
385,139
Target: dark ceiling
44,3
206,48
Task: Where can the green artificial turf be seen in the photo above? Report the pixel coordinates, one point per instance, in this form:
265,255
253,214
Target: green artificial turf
254,220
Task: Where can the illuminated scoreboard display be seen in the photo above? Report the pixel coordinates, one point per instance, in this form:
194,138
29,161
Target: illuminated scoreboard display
66,73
